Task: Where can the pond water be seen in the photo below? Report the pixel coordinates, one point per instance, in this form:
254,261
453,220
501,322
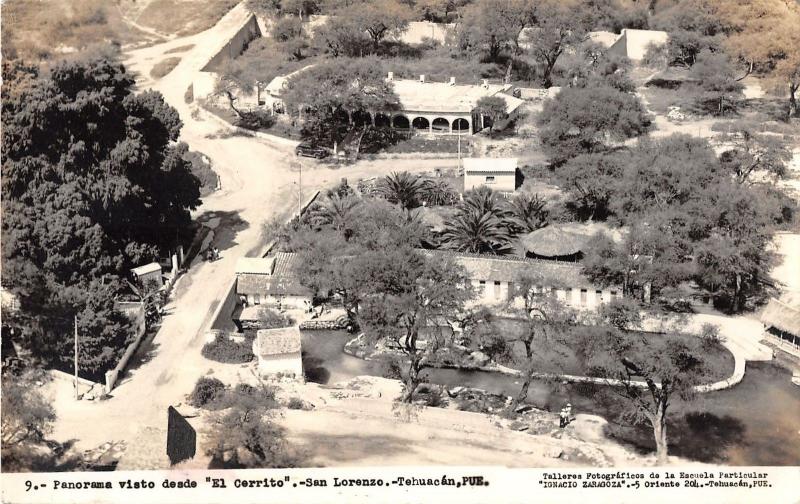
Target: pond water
756,422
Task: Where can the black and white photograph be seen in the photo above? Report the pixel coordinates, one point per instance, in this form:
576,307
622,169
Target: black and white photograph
263,237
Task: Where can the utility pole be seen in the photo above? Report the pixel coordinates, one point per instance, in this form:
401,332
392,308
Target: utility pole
459,151
300,191
77,396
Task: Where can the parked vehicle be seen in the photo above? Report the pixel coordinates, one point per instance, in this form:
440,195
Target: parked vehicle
308,149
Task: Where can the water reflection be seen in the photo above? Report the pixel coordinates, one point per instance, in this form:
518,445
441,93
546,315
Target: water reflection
757,422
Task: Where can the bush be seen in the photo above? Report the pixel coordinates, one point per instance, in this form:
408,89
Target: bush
709,336
164,67
295,403
255,120
270,319
207,390
188,96
224,349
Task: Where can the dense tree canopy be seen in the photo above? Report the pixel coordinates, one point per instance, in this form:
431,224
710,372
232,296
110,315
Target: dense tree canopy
717,82
763,35
583,120
690,217
325,93
93,184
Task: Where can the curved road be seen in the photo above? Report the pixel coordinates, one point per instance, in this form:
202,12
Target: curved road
257,185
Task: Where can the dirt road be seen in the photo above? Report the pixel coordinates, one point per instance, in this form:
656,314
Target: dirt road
258,183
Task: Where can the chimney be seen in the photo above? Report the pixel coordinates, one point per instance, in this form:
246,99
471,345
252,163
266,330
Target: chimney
391,76
452,81
422,78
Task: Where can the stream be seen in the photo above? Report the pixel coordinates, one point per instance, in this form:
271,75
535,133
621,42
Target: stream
756,422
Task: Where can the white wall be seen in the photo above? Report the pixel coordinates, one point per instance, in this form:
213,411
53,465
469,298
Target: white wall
287,364
504,183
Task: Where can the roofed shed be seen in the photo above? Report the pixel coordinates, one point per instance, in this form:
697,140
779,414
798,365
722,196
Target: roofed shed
279,352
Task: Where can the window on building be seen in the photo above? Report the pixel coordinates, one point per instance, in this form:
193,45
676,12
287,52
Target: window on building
584,297
568,294
490,179
613,294
256,298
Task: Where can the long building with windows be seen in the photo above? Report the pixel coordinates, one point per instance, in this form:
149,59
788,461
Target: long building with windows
494,280
426,107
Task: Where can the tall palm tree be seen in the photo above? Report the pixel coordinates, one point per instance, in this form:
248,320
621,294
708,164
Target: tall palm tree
476,232
528,213
401,188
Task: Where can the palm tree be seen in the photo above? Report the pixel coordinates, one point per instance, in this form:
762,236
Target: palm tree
482,200
339,210
401,188
528,213
476,232
438,193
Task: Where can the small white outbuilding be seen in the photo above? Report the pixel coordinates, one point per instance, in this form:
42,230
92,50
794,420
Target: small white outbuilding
499,174
279,352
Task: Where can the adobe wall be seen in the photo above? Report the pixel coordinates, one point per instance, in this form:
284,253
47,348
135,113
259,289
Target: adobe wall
236,45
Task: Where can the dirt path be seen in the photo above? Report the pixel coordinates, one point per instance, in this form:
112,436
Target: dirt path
258,183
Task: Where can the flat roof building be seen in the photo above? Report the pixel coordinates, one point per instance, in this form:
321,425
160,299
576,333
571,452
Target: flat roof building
500,174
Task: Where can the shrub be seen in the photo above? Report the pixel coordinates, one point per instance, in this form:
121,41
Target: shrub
270,319
295,403
709,336
188,96
206,390
224,349
256,119
164,67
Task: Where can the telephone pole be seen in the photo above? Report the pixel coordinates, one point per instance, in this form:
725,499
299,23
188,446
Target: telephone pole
300,191
77,396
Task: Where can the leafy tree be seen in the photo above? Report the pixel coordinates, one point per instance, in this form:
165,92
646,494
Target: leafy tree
302,8
493,26
733,257
244,435
341,36
593,66
94,183
290,35
776,57
719,88
539,338
26,415
493,107
665,172
592,181
692,28
271,8
528,213
437,11
325,93
379,18
582,120
409,299
652,374
752,153
401,188
556,28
